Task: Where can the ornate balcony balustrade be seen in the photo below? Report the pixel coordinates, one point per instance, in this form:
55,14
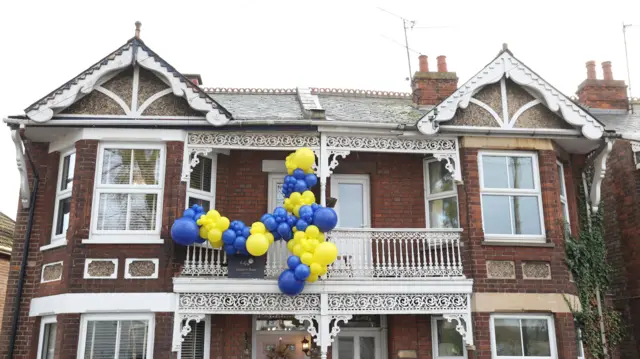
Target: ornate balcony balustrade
367,253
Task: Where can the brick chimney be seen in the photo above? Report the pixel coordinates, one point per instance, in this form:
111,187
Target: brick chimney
195,78
431,88
606,93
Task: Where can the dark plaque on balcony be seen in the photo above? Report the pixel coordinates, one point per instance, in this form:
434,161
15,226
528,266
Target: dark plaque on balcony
246,266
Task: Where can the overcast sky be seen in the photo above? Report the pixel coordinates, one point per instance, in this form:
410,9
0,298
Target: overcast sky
284,44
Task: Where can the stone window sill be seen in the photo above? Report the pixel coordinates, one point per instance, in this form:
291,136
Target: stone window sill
518,244
57,244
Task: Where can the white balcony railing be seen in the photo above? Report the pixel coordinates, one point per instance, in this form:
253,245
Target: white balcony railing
363,254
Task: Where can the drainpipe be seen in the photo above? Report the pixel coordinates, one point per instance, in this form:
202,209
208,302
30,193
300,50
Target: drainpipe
25,255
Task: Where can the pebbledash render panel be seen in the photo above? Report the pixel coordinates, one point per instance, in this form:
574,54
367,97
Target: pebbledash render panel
452,200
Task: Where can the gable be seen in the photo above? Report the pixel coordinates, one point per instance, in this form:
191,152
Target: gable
507,105
534,102
131,82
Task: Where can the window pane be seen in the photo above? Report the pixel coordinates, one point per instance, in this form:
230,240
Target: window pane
579,345
507,335
367,348
133,339
526,219
449,340
201,175
204,203
112,211
443,213
565,213
49,341
440,179
279,195
520,172
346,349
143,212
350,199
563,190
146,167
100,341
496,214
62,222
116,166
494,171
68,168
193,344
535,335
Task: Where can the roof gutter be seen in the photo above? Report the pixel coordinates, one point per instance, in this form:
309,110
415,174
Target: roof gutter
25,255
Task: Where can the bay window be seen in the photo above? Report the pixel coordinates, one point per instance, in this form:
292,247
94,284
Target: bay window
62,209
441,198
47,339
511,196
116,336
520,336
128,193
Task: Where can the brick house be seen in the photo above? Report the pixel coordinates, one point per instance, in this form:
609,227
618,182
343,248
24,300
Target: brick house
450,199
7,226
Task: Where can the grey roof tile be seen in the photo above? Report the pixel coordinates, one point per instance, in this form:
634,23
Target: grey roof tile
368,109
260,106
618,120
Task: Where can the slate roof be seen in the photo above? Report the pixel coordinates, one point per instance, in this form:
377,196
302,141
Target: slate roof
261,106
619,120
364,109
7,226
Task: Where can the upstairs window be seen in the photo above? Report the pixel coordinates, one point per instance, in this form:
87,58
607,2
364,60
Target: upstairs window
128,193
202,183
62,210
511,196
563,198
441,197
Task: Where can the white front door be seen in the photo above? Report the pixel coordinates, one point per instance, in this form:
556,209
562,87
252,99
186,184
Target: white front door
362,344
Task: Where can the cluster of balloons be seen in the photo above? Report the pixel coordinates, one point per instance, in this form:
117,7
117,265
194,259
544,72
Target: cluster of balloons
301,222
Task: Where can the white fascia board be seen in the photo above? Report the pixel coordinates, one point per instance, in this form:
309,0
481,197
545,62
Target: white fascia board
102,303
116,134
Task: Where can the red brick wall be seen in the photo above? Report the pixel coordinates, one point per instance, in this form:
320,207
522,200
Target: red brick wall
409,332
4,277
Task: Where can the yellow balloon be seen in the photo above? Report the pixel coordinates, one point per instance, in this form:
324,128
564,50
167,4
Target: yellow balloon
306,258
215,235
296,210
204,233
290,171
308,171
305,158
313,243
295,198
323,270
269,237
312,278
294,229
315,268
321,237
214,215
216,244
257,244
258,228
312,231
325,253
223,223
308,198
290,246
307,246
298,250
299,236
288,205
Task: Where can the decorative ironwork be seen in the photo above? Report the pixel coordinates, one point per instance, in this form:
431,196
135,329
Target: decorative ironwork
192,159
253,140
333,159
249,303
335,330
398,303
391,144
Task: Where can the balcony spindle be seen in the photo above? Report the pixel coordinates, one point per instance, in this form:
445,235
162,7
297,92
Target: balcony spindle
441,250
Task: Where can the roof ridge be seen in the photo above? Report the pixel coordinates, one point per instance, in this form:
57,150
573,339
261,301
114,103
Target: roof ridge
250,90
360,92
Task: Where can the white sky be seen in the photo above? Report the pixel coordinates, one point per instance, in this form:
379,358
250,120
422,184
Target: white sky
325,43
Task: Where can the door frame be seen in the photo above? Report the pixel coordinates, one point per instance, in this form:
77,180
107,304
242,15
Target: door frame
376,333
362,179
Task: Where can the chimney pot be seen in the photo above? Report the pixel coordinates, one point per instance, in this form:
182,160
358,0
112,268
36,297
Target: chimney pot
606,71
138,25
424,64
442,63
591,70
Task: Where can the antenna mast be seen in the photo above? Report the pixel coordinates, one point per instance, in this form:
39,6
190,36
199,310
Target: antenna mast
406,24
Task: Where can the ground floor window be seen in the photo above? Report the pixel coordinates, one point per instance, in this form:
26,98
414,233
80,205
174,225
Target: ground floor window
47,341
117,336
519,336
196,344
447,342
362,344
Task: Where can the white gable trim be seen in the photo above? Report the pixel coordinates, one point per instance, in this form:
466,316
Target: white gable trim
84,86
505,65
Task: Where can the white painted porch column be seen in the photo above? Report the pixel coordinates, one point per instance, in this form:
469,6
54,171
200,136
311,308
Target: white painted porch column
324,336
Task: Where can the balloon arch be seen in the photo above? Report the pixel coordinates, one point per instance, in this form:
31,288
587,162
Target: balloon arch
301,222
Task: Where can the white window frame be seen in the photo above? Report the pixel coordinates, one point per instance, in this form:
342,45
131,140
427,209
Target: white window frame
61,239
376,333
563,195
274,180
434,340
204,195
86,318
207,338
43,322
125,236
550,324
580,343
442,195
362,179
535,192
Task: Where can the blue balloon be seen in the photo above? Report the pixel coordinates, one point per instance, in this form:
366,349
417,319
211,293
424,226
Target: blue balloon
229,236
244,252
288,283
270,223
276,235
189,213
293,262
311,180
302,272
280,212
198,215
265,216
288,236
230,249
306,213
298,174
185,231
246,232
240,243
325,219
200,240
301,186
302,225
284,229
237,225
292,220
314,207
